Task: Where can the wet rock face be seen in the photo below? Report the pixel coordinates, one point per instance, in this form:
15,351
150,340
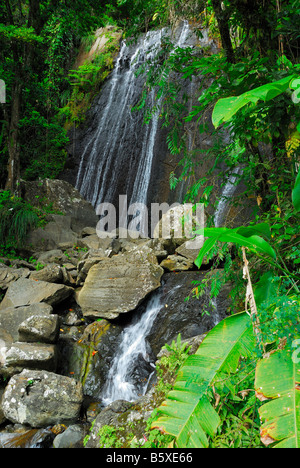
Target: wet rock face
187,317
89,358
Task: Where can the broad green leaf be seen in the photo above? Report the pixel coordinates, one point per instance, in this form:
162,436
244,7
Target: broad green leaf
296,194
208,245
278,379
226,108
187,413
265,289
253,242
262,229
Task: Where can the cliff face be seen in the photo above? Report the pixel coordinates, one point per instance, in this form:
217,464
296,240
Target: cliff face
114,152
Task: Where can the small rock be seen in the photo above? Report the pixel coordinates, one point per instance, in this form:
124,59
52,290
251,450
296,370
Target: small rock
11,318
51,273
9,275
70,438
177,263
88,231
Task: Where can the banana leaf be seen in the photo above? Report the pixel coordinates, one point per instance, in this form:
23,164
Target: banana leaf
296,194
187,412
246,237
278,379
226,108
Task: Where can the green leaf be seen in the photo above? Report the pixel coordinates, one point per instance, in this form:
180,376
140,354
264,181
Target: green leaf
255,243
262,229
264,289
277,378
208,245
296,194
226,108
187,413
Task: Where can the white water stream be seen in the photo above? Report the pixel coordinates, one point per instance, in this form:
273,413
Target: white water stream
119,385
227,192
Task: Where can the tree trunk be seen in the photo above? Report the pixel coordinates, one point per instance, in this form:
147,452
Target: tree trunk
224,30
13,167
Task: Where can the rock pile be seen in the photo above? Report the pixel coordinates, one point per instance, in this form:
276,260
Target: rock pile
58,312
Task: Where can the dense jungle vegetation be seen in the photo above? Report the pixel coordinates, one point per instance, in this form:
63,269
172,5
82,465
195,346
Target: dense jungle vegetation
245,376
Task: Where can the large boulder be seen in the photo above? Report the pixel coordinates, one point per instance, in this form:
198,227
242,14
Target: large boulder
26,292
56,232
118,285
177,263
63,198
30,355
42,329
41,398
11,318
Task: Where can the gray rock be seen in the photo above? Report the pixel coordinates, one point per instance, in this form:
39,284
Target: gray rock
31,355
26,292
43,329
52,256
6,340
191,248
71,438
58,231
109,416
64,198
176,224
9,275
41,399
88,231
51,273
2,417
177,263
11,318
118,285
89,242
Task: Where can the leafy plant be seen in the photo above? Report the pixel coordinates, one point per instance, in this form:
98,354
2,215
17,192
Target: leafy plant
187,413
226,108
277,379
296,194
17,217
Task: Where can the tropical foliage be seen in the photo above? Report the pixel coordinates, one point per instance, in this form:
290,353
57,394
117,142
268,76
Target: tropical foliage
250,91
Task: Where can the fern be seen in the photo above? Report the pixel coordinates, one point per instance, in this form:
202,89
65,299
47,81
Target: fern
16,219
173,180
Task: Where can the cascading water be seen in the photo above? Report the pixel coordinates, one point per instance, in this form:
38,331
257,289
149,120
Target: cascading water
227,192
118,156
120,385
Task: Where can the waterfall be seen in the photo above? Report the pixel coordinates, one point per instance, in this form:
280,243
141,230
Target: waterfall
118,155
119,384
227,192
